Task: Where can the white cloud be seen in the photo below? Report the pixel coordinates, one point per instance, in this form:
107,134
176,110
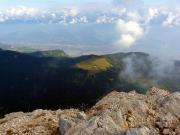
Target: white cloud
131,27
136,21
169,20
18,12
126,40
152,13
74,14
21,11
105,19
71,11
173,18
119,11
130,32
73,21
83,19
134,15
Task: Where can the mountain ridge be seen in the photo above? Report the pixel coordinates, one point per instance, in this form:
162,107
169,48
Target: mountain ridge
40,82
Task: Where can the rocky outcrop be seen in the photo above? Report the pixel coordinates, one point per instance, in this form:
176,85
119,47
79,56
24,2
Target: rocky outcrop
39,122
119,113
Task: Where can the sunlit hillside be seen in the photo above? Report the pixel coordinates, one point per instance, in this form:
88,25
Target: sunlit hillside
94,64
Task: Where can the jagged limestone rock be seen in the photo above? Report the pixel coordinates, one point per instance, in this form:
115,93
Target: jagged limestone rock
131,113
118,113
39,122
107,123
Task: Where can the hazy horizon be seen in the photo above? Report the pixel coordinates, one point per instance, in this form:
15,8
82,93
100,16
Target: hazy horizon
98,27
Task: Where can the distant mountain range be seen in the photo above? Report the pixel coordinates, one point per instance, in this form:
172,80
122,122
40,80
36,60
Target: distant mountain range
62,16
52,79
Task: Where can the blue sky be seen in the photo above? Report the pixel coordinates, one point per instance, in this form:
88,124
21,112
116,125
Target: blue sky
40,3
45,3
57,3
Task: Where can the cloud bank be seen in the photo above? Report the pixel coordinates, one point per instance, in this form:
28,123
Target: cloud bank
20,12
138,19
80,14
131,18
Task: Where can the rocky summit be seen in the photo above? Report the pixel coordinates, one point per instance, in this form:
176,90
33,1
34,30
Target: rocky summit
155,113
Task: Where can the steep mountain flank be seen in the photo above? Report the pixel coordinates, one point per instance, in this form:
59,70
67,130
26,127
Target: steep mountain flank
52,80
119,113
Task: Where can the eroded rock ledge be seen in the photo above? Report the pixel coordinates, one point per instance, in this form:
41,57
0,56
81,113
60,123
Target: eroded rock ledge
118,113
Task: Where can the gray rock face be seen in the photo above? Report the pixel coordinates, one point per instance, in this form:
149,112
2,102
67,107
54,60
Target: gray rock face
118,113
121,113
138,131
69,119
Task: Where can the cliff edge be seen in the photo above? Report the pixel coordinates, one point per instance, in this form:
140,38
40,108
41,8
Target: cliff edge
119,113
